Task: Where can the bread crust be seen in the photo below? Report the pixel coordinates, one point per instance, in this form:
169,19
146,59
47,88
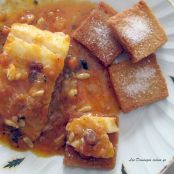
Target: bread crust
95,34
138,31
138,84
74,159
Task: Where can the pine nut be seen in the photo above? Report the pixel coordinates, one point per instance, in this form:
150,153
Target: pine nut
41,21
85,108
11,123
39,93
83,76
72,93
60,139
71,137
21,123
28,142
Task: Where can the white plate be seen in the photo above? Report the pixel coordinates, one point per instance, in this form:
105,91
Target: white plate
146,133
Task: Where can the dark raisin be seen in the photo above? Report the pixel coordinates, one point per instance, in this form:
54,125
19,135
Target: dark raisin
36,2
12,130
35,76
15,135
41,134
35,73
36,66
21,117
90,137
32,77
84,64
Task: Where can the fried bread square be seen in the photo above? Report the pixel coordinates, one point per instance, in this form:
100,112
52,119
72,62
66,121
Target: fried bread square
139,31
138,84
95,34
75,159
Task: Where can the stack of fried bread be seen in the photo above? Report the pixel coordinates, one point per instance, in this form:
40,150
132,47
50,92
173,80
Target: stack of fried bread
137,81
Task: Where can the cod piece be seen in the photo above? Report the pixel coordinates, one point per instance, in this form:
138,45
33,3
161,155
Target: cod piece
91,142
31,62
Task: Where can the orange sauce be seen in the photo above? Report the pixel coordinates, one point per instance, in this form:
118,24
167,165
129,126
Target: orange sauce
95,91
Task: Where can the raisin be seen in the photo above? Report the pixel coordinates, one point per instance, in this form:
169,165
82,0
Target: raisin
90,137
36,66
22,117
15,135
36,2
35,76
84,64
32,76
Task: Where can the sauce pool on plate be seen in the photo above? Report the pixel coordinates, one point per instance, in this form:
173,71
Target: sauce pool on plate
83,86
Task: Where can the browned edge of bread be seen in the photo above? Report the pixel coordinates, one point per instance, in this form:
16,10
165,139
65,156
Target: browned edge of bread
101,13
128,104
142,6
73,159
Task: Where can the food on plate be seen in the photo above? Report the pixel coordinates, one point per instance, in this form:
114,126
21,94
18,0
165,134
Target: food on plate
59,85
89,135
88,101
95,34
75,95
139,31
138,84
33,61
91,141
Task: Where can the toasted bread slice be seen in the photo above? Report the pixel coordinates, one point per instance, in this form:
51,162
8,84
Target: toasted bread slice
89,135
138,84
139,31
95,34
76,159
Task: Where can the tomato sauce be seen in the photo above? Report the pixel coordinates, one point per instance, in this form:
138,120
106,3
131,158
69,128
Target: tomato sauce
75,92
